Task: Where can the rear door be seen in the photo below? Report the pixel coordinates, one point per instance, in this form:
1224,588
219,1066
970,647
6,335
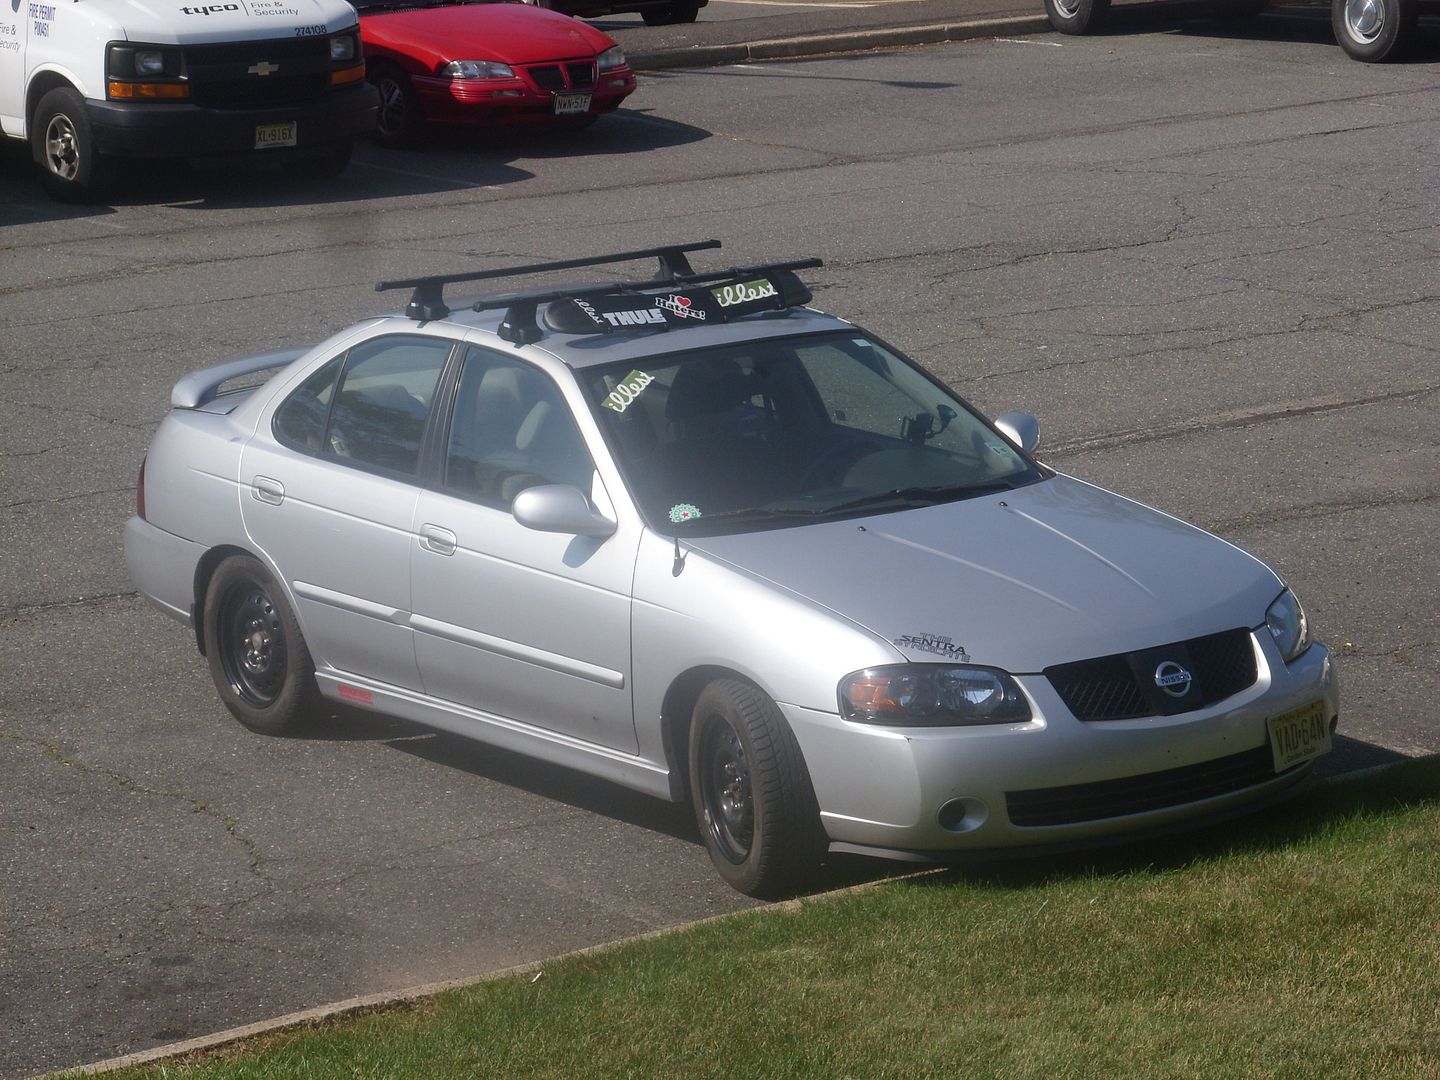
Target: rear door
527,625
330,493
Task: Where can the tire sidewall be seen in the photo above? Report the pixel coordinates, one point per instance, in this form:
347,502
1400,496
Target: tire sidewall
1400,18
716,707
298,693
92,170
410,112
1088,16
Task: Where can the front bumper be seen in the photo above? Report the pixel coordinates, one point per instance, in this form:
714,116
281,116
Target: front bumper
156,130
501,103
953,790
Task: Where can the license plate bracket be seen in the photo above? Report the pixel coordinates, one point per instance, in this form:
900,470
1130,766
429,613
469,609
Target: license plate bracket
1299,735
270,136
570,104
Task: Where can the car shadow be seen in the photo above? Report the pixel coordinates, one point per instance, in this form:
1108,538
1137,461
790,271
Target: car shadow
808,73
581,791
624,131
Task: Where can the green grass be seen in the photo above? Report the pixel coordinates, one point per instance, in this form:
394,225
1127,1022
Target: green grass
1302,944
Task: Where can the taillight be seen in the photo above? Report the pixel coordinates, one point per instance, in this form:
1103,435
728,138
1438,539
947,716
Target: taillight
140,492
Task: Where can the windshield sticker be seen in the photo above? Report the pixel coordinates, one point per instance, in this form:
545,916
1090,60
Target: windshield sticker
681,512
680,305
744,292
934,643
629,388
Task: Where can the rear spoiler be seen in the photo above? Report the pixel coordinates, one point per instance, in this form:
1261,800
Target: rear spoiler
202,387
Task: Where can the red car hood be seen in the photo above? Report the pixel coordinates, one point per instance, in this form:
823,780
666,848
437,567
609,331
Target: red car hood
509,33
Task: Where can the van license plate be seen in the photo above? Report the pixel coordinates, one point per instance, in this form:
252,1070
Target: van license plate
569,104
269,135
1299,735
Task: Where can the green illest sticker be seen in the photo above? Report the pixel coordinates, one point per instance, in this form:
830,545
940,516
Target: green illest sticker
627,390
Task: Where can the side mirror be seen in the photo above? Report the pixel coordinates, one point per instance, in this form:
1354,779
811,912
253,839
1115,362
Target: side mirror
1021,428
559,508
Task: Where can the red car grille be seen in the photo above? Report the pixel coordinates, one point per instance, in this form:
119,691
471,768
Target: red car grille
556,77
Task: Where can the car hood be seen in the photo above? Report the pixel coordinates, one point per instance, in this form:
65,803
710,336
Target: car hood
509,33
182,22
1044,574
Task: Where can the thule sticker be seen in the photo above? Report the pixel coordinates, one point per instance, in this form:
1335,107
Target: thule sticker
934,643
627,390
743,292
639,317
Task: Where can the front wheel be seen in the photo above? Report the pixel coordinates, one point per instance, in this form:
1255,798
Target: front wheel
1077,16
398,122
1374,30
63,145
751,792
671,14
257,655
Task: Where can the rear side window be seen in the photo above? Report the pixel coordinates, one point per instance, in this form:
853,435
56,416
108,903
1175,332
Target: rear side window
369,410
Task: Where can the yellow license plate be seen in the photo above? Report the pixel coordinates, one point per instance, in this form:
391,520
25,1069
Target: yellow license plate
268,135
1299,735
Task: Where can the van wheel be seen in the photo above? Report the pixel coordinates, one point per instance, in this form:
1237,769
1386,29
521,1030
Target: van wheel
751,792
1374,30
257,655
63,145
1077,16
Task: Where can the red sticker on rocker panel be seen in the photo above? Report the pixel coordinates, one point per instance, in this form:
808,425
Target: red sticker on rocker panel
355,694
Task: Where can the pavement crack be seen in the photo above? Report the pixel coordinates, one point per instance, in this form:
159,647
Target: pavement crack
67,498
1334,508
17,610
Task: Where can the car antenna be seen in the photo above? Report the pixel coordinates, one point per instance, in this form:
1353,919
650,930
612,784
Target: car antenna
679,564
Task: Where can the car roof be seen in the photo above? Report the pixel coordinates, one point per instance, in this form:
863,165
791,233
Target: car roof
591,324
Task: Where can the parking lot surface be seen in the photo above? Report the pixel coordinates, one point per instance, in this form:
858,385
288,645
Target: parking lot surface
1205,258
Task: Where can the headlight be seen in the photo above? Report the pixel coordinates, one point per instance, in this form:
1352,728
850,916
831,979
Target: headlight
932,695
343,48
477,69
611,58
149,62
1288,626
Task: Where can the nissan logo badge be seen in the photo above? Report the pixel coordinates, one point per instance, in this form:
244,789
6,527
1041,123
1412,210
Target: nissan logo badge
1173,679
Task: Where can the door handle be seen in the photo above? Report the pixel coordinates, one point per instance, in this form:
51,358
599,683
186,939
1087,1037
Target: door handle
440,541
267,490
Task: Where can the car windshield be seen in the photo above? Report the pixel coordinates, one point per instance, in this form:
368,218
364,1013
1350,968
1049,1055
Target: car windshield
786,431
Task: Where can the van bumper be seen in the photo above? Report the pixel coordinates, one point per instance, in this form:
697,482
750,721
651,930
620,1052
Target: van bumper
155,130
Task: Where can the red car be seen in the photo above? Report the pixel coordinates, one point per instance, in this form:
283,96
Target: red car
486,64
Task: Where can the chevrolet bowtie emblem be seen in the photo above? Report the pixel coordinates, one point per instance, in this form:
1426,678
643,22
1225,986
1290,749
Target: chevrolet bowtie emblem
264,67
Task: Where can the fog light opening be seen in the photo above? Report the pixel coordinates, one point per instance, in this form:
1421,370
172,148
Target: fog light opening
962,815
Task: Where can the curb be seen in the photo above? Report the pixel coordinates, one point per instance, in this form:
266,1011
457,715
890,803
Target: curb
838,42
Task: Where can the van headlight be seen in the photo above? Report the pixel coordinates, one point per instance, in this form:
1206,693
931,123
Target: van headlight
932,695
344,48
1288,626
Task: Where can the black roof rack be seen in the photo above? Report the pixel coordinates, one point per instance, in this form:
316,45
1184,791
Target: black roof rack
428,301
783,290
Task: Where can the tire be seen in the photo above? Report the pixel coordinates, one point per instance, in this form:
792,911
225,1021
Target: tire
671,14
1077,16
323,165
1374,30
399,121
63,146
257,655
751,793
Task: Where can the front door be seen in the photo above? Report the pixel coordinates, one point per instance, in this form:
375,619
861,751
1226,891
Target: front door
526,625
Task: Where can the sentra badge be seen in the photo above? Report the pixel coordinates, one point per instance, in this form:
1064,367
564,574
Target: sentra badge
1172,679
934,643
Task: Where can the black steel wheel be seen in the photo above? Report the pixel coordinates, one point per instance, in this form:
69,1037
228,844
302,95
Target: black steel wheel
63,146
1077,16
751,792
257,655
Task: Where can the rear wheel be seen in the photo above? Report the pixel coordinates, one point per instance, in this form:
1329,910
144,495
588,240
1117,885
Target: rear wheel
682,11
1374,30
257,655
63,145
751,792
1077,16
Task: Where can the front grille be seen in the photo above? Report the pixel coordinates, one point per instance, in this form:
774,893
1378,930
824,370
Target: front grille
226,76
1137,794
582,76
1122,686
548,77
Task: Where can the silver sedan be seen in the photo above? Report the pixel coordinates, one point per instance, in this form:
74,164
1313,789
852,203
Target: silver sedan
688,534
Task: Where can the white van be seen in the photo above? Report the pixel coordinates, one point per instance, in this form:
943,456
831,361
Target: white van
86,82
